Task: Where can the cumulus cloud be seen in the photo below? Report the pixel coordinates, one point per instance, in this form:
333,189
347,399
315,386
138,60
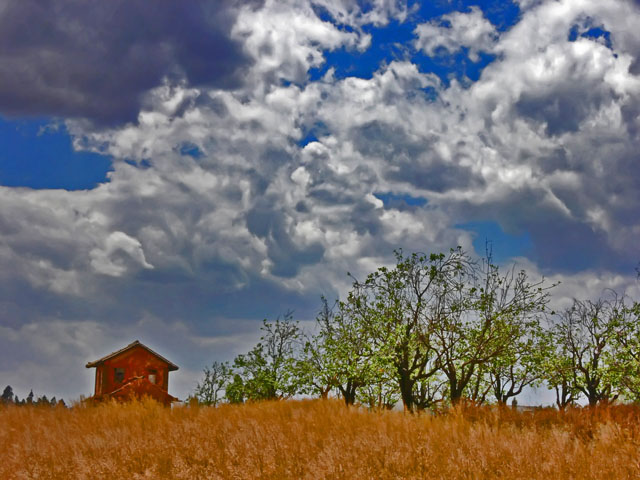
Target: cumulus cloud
449,33
552,111
119,250
358,13
286,38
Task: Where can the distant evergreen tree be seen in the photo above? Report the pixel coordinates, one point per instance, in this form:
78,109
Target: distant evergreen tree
30,398
7,395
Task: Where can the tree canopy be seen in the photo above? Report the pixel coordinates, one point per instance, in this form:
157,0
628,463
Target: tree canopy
438,329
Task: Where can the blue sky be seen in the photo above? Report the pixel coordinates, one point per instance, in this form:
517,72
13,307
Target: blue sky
38,153
179,183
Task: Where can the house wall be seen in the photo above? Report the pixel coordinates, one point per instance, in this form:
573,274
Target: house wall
98,385
100,380
136,362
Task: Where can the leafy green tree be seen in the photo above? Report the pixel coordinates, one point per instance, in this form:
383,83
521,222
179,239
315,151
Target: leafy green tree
521,362
210,390
557,371
380,393
269,370
589,332
399,307
430,391
235,391
315,369
483,316
479,387
627,358
346,353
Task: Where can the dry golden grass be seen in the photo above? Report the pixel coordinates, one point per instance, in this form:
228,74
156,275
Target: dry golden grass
315,440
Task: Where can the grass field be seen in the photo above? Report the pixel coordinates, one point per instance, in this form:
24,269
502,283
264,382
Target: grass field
315,440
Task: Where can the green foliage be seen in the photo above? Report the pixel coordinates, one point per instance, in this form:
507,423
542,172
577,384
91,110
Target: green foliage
557,371
513,307
399,308
235,391
315,368
626,360
342,352
587,334
381,393
441,328
269,370
485,330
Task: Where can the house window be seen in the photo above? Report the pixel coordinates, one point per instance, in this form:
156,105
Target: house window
152,376
118,375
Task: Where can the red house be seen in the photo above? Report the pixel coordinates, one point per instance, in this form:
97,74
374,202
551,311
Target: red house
134,371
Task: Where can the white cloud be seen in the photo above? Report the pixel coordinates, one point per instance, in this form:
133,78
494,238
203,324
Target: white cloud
286,39
451,32
118,251
356,14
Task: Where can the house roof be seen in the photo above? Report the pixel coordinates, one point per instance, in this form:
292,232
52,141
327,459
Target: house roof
137,343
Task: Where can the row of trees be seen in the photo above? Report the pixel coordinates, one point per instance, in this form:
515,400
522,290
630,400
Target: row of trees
10,398
437,329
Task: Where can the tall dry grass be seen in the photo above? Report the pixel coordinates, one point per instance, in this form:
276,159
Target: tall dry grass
315,440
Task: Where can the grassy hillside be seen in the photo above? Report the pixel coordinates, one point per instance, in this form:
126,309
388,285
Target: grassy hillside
315,440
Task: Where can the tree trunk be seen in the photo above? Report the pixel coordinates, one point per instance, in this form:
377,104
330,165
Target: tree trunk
592,395
350,397
455,391
349,393
406,391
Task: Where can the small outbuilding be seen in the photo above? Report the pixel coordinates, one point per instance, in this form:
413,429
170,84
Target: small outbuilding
133,371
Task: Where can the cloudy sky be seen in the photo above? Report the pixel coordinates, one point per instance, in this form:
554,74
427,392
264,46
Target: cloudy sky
175,174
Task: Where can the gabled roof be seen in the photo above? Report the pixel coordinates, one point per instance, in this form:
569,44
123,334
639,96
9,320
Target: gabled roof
172,366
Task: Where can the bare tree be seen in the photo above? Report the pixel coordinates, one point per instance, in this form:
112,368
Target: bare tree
214,383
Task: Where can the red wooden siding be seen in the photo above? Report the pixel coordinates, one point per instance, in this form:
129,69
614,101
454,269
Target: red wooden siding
144,372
